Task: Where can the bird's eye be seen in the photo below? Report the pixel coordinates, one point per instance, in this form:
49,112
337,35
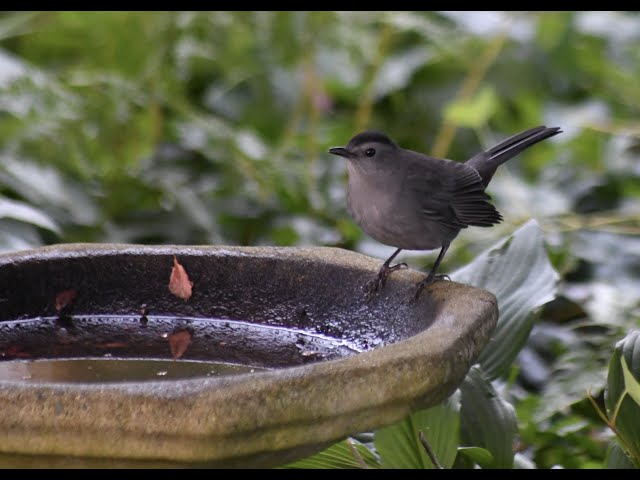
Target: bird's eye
370,152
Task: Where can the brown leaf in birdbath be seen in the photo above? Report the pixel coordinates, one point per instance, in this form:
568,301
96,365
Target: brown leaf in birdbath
64,299
179,283
179,340
14,351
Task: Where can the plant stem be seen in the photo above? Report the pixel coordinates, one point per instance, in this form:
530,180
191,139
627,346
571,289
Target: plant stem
430,452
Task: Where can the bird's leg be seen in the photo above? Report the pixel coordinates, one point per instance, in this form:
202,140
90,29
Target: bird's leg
432,273
377,283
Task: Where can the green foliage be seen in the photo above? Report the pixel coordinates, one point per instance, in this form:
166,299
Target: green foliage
349,453
475,112
212,127
399,445
617,458
517,271
488,420
468,455
622,395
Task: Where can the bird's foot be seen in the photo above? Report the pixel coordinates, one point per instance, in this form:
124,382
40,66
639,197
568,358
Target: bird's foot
430,279
377,283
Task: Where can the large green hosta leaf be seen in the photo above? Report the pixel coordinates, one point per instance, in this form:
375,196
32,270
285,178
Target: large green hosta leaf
617,458
518,272
487,420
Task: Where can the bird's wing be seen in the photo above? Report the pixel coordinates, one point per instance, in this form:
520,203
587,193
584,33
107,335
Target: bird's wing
450,193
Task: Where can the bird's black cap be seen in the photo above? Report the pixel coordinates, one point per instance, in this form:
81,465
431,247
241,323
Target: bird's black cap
368,137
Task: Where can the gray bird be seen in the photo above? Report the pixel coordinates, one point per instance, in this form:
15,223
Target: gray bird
412,201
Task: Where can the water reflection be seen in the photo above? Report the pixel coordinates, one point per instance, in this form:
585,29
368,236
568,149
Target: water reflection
95,370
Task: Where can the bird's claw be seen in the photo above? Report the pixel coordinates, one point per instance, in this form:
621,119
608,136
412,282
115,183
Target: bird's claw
377,283
430,279
373,286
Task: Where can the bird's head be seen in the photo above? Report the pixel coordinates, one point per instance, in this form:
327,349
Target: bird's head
366,146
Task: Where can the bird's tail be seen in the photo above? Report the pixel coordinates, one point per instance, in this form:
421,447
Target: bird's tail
486,163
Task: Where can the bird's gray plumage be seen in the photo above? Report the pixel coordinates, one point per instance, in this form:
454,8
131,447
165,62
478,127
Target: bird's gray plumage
412,201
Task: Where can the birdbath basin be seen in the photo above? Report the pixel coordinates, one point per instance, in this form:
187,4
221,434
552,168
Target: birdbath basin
307,360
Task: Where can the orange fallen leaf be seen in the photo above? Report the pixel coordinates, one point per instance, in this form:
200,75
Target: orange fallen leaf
179,283
64,299
178,342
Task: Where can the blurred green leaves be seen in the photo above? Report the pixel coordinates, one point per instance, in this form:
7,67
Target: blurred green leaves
260,96
474,112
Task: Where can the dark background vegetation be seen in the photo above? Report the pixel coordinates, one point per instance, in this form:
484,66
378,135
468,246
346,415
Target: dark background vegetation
213,128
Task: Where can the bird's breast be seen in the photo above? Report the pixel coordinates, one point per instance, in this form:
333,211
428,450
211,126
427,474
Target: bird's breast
370,205
382,210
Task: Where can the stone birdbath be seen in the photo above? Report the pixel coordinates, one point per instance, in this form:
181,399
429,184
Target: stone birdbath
307,361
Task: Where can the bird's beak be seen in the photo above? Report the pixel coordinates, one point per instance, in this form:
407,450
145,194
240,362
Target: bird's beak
342,152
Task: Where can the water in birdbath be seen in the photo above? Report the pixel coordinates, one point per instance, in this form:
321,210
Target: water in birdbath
91,349
105,370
